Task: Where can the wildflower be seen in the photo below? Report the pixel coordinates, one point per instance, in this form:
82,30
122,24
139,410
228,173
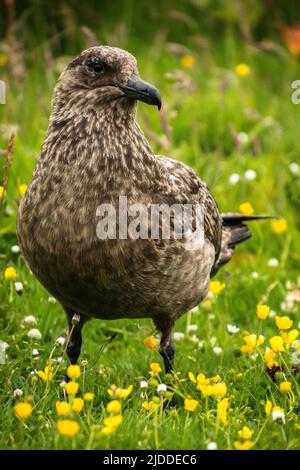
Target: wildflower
34,334
250,175
151,342
75,319
71,388
23,410
222,408
73,372
216,287
268,407
88,396
113,407
18,393
67,427
242,70
113,421
285,387
143,384
30,320
278,414
251,343
77,405
262,311
178,336
116,392
279,225
15,248
192,328
270,358
187,61
212,446
19,287
232,329
254,275
150,405
60,341
10,273
22,189
192,377
202,380
155,368
62,408
161,388
276,343
283,323
246,208
219,390
35,352
47,374
234,178
245,445
294,168
245,433
3,346
243,137
190,404
2,193
273,262
289,337
218,351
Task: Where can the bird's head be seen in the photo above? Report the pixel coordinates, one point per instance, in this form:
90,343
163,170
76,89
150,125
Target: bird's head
108,75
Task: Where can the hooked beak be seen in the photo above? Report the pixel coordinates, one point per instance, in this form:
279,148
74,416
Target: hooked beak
137,89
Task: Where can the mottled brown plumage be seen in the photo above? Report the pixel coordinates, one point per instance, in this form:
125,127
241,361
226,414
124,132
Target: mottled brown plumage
93,152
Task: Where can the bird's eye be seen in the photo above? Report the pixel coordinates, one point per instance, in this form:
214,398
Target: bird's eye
95,67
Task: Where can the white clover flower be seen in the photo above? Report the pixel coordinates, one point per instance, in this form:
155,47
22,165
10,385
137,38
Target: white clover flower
84,362
35,352
243,138
254,275
3,346
18,393
60,341
278,414
218,350
212,446
272,314
15,249
250,175
234,178
232,329
19,287
34,334
178,336
294,168
143,384
192,328
161,388
30,320
273,262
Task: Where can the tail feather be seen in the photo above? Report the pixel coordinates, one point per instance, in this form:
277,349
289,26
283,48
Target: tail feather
234,232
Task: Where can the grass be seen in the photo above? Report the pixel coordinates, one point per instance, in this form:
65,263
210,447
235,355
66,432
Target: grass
206,108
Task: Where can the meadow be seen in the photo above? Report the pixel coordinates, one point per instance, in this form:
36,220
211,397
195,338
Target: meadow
227,112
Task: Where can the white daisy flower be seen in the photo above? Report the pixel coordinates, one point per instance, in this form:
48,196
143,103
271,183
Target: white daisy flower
218,350
161,388
232,329
30,320
273,262
15,249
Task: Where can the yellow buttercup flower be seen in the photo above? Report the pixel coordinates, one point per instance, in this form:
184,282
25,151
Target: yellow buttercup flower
279,225
88,396
218,390
10,273
262,311
77,405
62,408
276,343
113,407
2,193
206,390
71,388
190,404
67,427
22,189
202,380
245,445
150,405
270,358
116,392
289,337
47,374
242,70
216,287
188,61
192,377
155,368
251,343
283,323
113,421
222,408
73,372
151,342
268,407
285,387
245,433
23,410
246,208
108,430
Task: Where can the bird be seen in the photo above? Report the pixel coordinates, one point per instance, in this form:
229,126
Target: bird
94,152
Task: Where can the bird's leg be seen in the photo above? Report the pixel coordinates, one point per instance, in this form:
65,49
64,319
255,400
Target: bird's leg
166,347
75,324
